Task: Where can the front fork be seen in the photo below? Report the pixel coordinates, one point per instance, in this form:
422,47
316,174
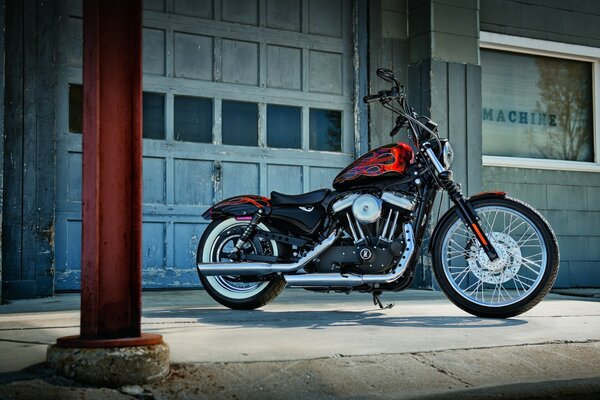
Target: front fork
465,211
467,214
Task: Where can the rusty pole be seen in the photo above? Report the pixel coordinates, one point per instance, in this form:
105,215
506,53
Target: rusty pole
112,177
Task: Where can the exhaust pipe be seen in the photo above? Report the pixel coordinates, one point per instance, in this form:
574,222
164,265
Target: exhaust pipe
256,268
351,280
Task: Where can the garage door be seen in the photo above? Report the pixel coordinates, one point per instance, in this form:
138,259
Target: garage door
240,96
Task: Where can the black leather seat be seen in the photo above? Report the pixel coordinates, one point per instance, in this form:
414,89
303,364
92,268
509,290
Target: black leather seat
305,199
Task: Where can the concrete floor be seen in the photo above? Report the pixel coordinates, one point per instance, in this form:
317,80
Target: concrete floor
310,345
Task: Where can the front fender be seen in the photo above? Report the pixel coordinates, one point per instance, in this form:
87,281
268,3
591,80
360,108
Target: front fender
452,211
237,206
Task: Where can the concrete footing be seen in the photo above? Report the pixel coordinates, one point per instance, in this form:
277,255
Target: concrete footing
111,367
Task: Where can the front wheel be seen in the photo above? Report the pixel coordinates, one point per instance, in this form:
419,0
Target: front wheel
522,275
216,243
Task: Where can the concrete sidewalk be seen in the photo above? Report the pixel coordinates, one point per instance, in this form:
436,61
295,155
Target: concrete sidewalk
309,345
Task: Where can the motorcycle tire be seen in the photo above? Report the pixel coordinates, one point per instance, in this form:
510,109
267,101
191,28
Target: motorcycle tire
514,283
219,238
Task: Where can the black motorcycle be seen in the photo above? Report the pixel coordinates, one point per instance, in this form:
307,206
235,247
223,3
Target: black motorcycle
492,255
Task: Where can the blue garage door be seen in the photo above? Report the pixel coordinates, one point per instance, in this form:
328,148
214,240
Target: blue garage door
240,96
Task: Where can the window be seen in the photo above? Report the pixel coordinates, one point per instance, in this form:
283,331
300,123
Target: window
537,107
153,105
193,119
75,108
240,123
325,130
284,127
153,113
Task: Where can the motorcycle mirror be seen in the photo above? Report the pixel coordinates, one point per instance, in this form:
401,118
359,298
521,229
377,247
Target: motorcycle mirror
386,74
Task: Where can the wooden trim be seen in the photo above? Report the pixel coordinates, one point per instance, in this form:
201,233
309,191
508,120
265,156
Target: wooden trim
534,163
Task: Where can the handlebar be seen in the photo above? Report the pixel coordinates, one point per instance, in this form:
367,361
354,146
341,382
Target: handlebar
382,95
371,98
395,130
406,115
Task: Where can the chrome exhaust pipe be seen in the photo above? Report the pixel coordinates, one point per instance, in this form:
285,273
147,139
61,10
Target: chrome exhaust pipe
256,268
351,280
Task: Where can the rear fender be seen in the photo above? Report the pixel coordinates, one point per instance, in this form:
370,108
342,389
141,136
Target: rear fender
452,211
238,206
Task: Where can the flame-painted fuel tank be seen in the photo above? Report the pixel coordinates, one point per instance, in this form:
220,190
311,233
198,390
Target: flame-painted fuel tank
383,162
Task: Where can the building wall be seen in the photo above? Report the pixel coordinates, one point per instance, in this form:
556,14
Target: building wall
2,82
432,46
29,156
574,22
43,42
569,200
293,54
388,48
445,84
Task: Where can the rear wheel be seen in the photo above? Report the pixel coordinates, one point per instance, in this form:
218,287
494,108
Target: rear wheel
522,275
218,240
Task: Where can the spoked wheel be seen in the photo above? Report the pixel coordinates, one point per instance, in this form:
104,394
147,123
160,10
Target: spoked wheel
522,275
236,292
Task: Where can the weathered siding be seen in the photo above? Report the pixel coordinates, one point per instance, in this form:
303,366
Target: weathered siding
2,82
444,29
388,48
569,200
571,203
445,84
574,22
29,134
294,53
445,78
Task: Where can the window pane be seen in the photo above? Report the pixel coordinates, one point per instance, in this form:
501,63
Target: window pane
193,119
240,123
536,107
325,130
75,108
283,127
154,116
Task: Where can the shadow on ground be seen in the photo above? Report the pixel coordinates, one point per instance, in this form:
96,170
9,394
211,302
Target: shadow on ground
324,319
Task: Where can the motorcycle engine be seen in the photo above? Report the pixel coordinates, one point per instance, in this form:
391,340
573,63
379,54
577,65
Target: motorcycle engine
373,227
366,209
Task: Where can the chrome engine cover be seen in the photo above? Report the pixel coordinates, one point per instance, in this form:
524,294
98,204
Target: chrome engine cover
366,208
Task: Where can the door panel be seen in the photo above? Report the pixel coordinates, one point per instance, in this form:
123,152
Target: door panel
284,178
213,70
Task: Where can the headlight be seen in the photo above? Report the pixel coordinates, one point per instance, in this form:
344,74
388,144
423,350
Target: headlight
447,155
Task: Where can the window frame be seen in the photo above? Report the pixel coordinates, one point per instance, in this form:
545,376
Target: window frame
537,47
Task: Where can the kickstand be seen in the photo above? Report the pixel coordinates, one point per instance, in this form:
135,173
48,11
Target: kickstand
377,301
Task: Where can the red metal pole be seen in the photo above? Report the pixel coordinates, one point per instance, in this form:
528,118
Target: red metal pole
112,177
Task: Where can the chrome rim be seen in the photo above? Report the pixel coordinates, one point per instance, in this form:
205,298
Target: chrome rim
223,241
226,246
521,263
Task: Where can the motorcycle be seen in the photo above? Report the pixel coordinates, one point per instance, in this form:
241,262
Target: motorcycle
492,255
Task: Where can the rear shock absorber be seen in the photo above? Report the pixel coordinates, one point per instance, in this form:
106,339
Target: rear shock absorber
248,232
